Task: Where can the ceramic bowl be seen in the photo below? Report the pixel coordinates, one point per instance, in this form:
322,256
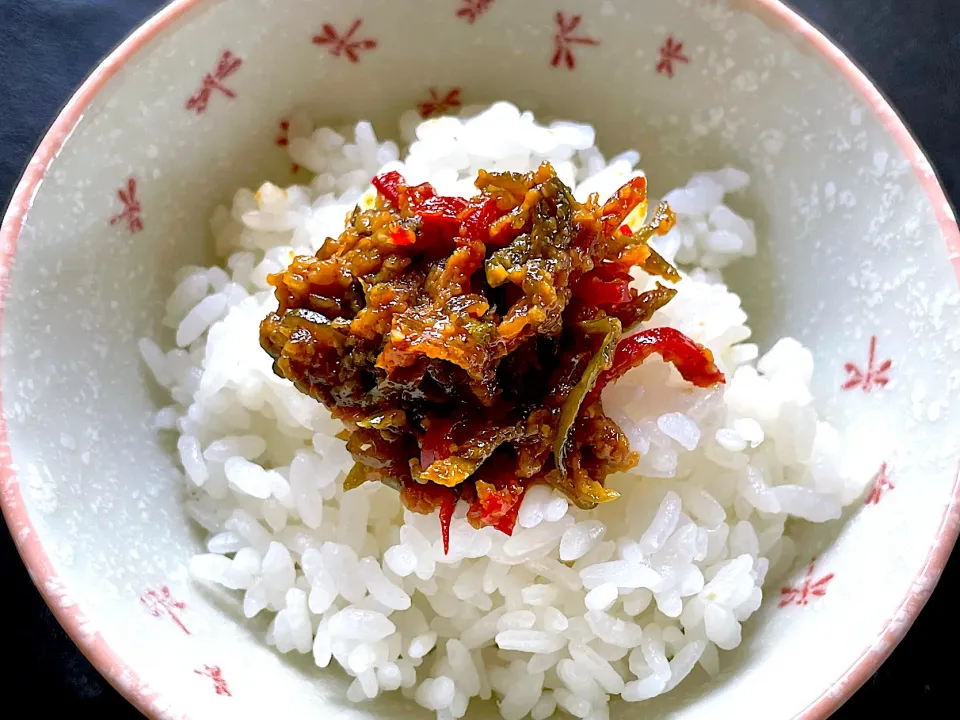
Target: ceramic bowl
858,259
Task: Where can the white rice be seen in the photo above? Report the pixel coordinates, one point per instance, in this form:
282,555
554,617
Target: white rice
576,606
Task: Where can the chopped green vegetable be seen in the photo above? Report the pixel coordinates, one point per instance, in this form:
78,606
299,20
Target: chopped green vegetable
600,362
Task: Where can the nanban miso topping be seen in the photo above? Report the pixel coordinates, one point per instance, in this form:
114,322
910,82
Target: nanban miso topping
464,343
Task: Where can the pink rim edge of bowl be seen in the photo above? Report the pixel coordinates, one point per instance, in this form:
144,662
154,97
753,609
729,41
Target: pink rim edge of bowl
127,682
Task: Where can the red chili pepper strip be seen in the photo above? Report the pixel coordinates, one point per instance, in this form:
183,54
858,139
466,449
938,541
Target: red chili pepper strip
489,507
470,219
476,220
503,231
402,236
413,197
616,209
495,506
447,507
442,213
436,441
509,521
612,271
424,499
694,361
388,185
602,292
625,230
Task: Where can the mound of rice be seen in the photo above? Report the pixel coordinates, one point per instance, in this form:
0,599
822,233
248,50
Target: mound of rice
576,606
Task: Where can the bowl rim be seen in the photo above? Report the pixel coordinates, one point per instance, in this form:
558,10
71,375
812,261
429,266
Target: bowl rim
126,680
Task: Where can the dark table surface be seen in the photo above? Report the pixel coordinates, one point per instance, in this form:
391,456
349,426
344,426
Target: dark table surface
910,47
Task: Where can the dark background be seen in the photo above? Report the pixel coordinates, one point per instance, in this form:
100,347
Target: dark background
910,47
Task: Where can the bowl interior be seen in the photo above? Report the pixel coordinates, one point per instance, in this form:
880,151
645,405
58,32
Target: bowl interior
854,262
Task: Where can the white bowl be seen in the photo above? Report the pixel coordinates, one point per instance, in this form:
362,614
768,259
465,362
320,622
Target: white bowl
858,260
